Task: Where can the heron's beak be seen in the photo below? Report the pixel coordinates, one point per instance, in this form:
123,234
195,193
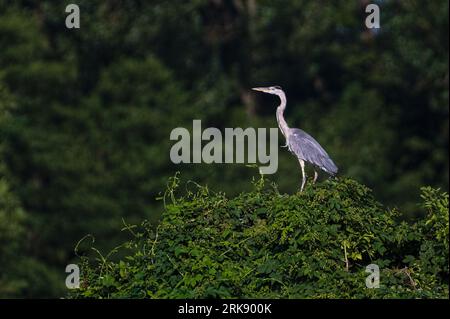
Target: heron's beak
261,89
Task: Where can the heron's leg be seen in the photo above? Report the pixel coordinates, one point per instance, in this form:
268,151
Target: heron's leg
315,176
302,165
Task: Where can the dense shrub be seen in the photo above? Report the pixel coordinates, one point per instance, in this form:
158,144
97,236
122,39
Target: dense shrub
261,244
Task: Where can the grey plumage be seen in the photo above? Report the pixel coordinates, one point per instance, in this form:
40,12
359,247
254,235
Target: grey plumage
300,143
305,147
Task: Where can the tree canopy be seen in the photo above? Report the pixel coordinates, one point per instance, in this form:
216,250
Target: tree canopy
86,142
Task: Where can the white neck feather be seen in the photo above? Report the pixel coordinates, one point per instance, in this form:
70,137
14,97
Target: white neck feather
280,118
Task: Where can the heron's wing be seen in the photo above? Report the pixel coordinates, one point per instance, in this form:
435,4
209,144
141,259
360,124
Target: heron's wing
305,147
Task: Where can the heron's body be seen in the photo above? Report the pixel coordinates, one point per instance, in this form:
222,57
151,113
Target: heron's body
300,143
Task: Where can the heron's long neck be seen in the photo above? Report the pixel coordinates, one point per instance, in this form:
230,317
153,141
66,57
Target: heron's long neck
280,118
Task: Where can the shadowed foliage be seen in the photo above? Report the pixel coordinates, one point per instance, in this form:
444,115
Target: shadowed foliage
87,141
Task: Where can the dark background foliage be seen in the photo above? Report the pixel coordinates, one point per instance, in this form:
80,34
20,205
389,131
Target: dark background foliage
85,115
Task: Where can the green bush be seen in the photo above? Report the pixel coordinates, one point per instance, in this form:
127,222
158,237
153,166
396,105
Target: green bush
264,244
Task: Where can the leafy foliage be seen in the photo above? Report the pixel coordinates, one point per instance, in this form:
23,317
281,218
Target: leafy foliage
264,244
88,141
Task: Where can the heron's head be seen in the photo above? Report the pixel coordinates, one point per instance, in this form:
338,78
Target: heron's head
270,89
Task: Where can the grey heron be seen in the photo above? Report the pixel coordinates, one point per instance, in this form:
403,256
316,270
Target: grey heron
300,143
